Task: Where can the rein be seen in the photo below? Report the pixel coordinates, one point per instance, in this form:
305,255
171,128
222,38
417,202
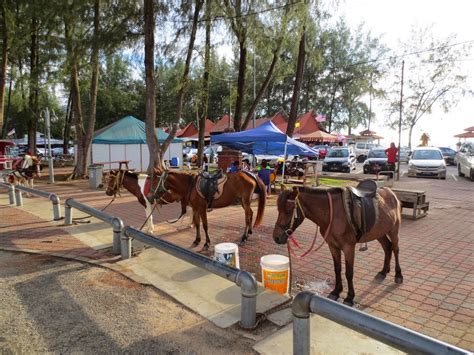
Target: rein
295,242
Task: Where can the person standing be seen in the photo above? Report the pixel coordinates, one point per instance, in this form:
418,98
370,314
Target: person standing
391,156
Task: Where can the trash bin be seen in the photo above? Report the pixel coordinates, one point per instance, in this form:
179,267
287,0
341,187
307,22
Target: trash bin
95,176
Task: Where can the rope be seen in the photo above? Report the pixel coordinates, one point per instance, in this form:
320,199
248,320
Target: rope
89,216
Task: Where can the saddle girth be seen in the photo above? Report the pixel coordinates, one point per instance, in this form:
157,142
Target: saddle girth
210,185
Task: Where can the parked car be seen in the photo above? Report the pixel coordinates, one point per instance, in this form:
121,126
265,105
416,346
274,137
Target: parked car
465,159
427,161
362,149
404,154
376,161
449,155
339,159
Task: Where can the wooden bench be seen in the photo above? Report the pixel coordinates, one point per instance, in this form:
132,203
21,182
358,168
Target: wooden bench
414,199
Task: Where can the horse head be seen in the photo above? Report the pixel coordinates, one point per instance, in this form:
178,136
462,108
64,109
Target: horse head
35,165
289,215
114,183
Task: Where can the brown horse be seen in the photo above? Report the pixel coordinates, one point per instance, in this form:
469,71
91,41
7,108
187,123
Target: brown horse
182,186
294,205
129,180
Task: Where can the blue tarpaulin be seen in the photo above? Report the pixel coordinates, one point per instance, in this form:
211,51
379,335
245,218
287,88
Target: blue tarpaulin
266,139
128,130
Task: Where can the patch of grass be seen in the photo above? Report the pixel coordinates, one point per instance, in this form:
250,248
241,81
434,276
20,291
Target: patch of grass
334,182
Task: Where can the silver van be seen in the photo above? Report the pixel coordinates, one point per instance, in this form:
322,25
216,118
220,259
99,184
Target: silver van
362,150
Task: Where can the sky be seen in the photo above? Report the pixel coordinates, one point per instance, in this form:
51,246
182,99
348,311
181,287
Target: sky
393,21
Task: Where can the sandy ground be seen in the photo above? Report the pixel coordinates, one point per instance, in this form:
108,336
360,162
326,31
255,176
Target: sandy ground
54,305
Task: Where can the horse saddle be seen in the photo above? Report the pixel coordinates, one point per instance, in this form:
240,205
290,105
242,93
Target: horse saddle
361,204
210,185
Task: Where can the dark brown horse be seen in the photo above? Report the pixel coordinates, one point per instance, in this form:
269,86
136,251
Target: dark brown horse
296,204
238,187
129,180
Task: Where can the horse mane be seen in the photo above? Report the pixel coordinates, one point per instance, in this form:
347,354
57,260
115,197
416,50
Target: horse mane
309,190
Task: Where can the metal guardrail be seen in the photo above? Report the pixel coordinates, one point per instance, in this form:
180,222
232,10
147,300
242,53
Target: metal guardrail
115,222
386,332
50,196
246,281
11,192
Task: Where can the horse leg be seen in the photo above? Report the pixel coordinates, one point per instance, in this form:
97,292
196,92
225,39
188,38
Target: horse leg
196,221
393,235
248,221
387,249
349,252
148,212
204,226
336,258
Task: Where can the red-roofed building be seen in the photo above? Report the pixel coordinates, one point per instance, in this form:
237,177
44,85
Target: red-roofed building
207,130
189,130
223,124
279,119
308,124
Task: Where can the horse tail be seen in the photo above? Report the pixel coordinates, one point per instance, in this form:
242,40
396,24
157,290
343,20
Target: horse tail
262,196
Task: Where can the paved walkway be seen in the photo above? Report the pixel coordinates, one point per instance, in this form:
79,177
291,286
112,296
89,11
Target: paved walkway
437,254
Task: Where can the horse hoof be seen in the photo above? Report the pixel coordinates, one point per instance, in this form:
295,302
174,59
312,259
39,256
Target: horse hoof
205,247
333,297
380,275
349,302
195,244
242,242
398,279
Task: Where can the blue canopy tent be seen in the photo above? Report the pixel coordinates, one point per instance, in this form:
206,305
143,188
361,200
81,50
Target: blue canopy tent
265,139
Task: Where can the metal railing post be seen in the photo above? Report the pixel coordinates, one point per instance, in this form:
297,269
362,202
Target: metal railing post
56,206
125,246
19,197
11,194
67,214
248,305
301,323
117,226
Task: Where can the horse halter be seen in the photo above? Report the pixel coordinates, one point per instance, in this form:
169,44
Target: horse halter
118,182
297,215
158,190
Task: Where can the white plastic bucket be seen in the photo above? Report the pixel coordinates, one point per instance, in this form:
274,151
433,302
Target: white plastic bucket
227,253
275,272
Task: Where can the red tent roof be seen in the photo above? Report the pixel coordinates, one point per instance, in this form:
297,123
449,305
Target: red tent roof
469,129
224,123
207,129
189,130
308,123
465,135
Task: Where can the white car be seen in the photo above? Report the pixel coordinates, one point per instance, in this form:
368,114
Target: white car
427,161
465,160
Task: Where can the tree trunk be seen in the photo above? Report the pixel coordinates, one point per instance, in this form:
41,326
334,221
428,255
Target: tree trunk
263,88
67,125
241,84
205,85
150,104
7,113
184,78
297,87
410,131
3,72
84,140
33,95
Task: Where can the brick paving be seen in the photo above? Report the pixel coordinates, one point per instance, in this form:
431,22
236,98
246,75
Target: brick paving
436,254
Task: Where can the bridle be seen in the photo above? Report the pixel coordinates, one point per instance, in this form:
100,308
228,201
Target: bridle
295,222
118,182
159,189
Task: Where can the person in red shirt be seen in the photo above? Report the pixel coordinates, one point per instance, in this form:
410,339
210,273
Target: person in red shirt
391,156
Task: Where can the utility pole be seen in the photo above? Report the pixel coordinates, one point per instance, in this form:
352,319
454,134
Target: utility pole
400,122
254,95
370,102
